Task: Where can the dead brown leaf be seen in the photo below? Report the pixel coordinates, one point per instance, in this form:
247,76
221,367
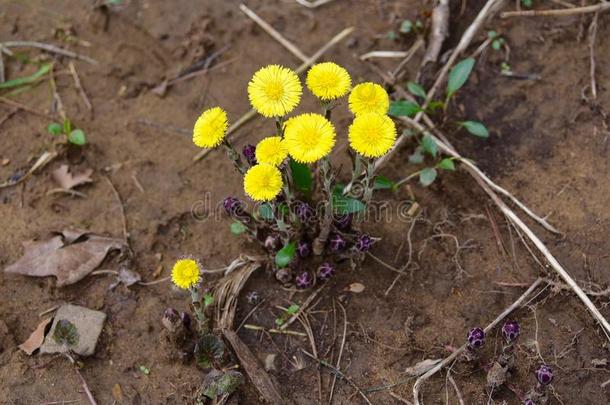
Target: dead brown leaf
35,340
67,180
117,392
69,256
355,287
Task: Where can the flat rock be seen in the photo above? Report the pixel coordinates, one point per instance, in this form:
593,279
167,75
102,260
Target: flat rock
89,324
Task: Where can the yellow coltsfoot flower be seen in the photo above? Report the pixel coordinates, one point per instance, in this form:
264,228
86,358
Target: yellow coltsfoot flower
271,150
186,273
369,97
263,182
210,128
372,135
328,81
309,137
274,91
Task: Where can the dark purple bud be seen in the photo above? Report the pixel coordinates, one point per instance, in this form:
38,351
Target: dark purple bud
326,271
544,374
476,338
186,319
364,243
529,402
249,153
232,206
343,222
284,275
337,242
253,298
304,212
303,280
303,249
273,243
511,331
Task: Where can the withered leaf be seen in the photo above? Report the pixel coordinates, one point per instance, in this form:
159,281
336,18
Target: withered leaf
69,256
355,288
422,367
67,180
35,340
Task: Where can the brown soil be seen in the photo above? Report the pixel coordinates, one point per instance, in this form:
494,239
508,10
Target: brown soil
547,146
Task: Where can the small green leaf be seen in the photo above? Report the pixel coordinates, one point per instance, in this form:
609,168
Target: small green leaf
403,108
285,255
266,211
208,299
417,157
292,309
301,176
54,128
237,228
429,146
427,176
416,89
20,81
496,44
406,26
77,137
346,205
144,370
66,333
527,3
446,164
475,128
383,183
435,105
391,36
492,34
459,75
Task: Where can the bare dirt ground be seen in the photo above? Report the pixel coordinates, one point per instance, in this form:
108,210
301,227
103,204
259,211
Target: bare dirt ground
548,146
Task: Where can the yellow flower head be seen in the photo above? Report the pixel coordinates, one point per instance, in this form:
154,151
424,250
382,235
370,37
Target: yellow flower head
328,81
210,128
263,182
271,150
372,135
185,273
309,137
369,97
274,91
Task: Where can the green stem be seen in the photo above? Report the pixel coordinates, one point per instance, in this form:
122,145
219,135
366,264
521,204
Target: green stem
203,322
234,156
406,179
320,241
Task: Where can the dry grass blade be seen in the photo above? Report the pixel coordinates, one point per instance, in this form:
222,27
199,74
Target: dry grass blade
48,48
384,54
597,8
42,161
302,308
227,291
314,4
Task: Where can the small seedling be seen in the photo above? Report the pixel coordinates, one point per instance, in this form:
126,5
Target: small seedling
496,40
66,334
544,377
74,136
287,314
144,370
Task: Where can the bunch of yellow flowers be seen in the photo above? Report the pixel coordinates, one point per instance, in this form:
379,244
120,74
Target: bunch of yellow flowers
274,92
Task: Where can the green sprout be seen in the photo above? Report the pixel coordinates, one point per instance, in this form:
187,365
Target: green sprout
74,136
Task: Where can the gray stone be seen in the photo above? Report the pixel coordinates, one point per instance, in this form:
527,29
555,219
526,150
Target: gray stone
89,324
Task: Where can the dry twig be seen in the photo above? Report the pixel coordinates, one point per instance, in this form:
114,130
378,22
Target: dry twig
438,32
79,87
592,37
597,8
48,48
317,3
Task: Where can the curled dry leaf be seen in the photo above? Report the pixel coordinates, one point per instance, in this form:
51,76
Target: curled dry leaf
67,180
35,340
69,256
421,367
355,287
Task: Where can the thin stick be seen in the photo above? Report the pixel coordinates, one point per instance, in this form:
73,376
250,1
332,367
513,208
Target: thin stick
24,107
275,34
337,372
272,330
592,37
455,387
456,353
384,54
42,161
252,113
86,387
2,79
123,216
48,48
315,4
438,32
79,86
304,320
338,367
597,8
397,73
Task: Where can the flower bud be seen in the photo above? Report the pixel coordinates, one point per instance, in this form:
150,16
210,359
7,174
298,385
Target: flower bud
273,243
544,374
529,402
337,243
304,280
326,271
511,331
253,298
249,153
303,249
364,243
304,212
343,222
476,338
284,275
232,206
186,319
